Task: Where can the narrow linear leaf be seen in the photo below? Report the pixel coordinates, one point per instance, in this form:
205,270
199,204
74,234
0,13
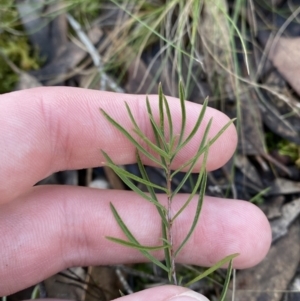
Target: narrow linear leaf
202,147
131,185
34,295
143,137
156,130
189,198
121,224
132,239
161,109
131,116
159,137
153,146
223,129
183,111
141,193
151,190
185,178
130,138
136,246
196,186
166,251
227,281
218,265
170,276
165,240
170,122
184,165
259,194
124,173
197,214
196,126
191,181
145,175
211,142
205,145
172,144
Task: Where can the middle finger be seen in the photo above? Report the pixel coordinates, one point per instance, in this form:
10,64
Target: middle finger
52,228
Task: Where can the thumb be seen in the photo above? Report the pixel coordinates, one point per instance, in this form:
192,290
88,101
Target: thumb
165,293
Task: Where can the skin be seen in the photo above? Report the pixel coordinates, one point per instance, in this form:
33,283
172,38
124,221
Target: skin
46,229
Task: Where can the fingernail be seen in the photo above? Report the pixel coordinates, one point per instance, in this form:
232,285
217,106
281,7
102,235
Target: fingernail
189,296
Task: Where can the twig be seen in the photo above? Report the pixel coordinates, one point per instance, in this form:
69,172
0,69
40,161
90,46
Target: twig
142,274
106,81
124,282
233,284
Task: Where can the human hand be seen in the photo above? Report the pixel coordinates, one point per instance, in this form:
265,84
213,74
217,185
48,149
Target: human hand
45,229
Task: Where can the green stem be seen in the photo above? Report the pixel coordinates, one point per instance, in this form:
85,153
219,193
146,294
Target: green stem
170,226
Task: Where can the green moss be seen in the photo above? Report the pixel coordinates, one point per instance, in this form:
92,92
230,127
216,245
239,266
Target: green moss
283,146
85,10
7,78
8,14
291,150
15,46
19,51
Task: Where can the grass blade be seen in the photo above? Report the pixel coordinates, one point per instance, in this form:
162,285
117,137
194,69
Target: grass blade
136,246
130,138
227,281
218,265
239,35
133,240
140,21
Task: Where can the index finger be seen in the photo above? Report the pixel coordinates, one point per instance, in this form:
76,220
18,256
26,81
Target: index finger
45,129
